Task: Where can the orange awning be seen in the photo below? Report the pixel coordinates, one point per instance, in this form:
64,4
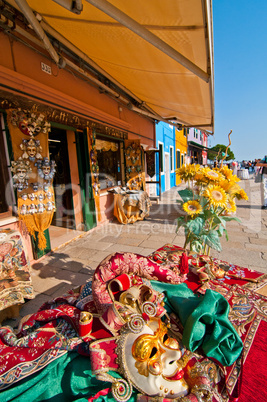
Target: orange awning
160,52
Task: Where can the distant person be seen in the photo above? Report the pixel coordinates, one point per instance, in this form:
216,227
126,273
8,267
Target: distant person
234,167
263,166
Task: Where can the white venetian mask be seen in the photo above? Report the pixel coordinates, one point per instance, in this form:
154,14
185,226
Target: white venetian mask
151,361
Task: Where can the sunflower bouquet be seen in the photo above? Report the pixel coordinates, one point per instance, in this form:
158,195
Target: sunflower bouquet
206,205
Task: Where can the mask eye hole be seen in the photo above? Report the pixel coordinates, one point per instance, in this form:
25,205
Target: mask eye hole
165,338
153,352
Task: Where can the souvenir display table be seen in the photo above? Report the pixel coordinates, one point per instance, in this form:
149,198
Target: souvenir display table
77,345
15,279
131,205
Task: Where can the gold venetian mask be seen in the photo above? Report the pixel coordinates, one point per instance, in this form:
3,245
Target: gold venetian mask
153,365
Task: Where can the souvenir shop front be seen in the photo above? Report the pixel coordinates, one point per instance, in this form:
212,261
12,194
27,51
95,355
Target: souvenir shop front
60,169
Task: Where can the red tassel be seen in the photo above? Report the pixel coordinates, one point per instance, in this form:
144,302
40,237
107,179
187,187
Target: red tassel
184,267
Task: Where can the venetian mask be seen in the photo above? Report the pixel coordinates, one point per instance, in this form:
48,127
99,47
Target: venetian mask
31,151
23,126
21,173
151,361
46,169
21,169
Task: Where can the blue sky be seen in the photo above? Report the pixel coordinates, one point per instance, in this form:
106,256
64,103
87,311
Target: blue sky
240,65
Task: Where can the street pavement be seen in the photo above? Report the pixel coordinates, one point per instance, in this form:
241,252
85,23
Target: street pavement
74,263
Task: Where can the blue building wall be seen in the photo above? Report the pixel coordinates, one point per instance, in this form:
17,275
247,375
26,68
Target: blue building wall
165,140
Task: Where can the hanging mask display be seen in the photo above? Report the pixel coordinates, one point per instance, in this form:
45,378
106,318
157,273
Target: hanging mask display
33,172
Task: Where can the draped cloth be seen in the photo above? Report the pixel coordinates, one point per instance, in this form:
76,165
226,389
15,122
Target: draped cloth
205,321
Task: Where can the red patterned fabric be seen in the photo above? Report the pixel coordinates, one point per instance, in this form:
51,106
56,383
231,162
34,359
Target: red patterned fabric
128,263
55,328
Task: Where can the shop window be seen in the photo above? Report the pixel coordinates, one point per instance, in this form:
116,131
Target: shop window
178,162
109,162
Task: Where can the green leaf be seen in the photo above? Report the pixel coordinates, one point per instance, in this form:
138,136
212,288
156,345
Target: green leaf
231,218
179,201
196,246
212,240
220,230
208,214
186,194
196,225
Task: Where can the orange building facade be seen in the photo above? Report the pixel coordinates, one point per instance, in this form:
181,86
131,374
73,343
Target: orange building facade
85,123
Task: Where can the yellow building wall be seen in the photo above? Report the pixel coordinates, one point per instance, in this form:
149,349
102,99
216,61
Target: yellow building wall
180,145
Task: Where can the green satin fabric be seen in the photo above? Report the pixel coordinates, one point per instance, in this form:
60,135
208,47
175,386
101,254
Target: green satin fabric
67,379
205,321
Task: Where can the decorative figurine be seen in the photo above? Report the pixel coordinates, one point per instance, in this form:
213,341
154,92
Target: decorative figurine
49,195
32,196
41,197
24,196
50,206
23,209
32,209
40,208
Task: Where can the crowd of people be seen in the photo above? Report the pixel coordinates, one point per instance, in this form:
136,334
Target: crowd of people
259,168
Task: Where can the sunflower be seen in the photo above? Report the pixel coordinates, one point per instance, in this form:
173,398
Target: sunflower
216,196
229,186
212,175
241,195
192,207
187,172
228,174
200,178
230,206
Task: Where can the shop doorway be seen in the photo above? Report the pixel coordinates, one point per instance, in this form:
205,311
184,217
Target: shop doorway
58,151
